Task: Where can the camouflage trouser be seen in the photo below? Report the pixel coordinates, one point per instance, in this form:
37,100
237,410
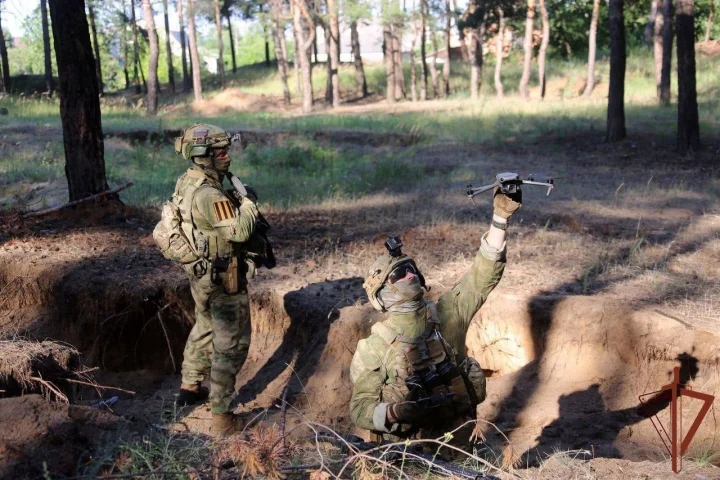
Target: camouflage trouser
218,343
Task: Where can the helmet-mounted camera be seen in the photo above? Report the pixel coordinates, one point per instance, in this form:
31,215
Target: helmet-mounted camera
394,246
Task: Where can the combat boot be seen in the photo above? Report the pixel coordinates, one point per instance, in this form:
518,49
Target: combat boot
226,424
192,393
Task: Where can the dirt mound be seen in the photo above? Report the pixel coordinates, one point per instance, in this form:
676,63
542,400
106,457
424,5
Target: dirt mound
235,100
36,367
94,279
38,435
568,373
710,48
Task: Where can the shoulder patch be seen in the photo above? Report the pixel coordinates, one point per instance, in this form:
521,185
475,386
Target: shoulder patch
223,210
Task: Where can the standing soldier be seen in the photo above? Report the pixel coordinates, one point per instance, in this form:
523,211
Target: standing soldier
412,374
214,235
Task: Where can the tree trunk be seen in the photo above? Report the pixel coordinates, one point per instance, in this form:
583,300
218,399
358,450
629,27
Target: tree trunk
543,47
136,47
79,100
473,34
413,73
616,98
434,74
280,51
171,71
232,43
328,77
657,37
688,138
357,60
267,47
667,43
303,21
98,63
296,62
218,29
4,59
708,26
423,55
592,49
499,53
49,81
446,65
334,51
126,57
181,23
152,95
194,57
649,34
389,62
527,45
142,77
397,58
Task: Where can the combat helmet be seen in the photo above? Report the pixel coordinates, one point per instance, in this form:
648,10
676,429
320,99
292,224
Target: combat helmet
381,269
197,142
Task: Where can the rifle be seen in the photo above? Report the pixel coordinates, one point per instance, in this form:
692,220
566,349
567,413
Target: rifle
261,227
508,183
397,453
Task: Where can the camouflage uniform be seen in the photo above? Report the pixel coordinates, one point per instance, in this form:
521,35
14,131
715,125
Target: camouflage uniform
375,370
218,343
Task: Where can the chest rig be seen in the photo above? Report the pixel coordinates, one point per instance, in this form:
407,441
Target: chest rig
426,365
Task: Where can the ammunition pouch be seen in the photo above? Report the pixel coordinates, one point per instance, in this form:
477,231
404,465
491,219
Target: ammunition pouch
226,272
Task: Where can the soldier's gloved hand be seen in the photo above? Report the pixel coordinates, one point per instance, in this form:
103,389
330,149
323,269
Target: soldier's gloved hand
505,205
476,376
251,193
415,411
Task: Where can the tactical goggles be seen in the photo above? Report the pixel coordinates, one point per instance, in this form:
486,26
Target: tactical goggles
401,272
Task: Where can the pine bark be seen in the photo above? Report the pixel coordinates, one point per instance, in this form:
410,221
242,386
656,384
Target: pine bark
543,47
499,53
527,45
616,98
126,56
413,72
168,50
267,48
389,62
434,73
657,40
49,80
194,56
93,28
136,47
278,34
79,100
232,43
218,30
592,49
708,26
688,137
397,58
667,44
473,36
360,80
152,95
303,23
334,53
187,82
423,53
4,59
446,65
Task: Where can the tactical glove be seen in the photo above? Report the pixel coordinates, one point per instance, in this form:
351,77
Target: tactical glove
251,193
414,411
505,205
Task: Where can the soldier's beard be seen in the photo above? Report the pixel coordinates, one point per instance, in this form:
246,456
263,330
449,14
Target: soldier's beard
408,299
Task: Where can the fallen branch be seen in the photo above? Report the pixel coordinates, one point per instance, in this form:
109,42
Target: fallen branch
77,202
60,396
101,387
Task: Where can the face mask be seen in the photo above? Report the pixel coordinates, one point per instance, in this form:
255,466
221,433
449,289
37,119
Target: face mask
222,161
407,297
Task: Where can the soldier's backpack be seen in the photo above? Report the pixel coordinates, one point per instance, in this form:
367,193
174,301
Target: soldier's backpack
170,238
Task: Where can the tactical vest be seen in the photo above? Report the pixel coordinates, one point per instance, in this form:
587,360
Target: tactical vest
427,363
205,241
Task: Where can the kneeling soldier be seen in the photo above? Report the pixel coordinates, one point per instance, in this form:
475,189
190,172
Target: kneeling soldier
412,373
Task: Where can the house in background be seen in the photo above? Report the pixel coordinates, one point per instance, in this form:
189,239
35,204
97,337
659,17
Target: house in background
371,43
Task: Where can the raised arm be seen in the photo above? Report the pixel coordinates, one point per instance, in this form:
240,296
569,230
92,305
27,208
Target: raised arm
457,307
